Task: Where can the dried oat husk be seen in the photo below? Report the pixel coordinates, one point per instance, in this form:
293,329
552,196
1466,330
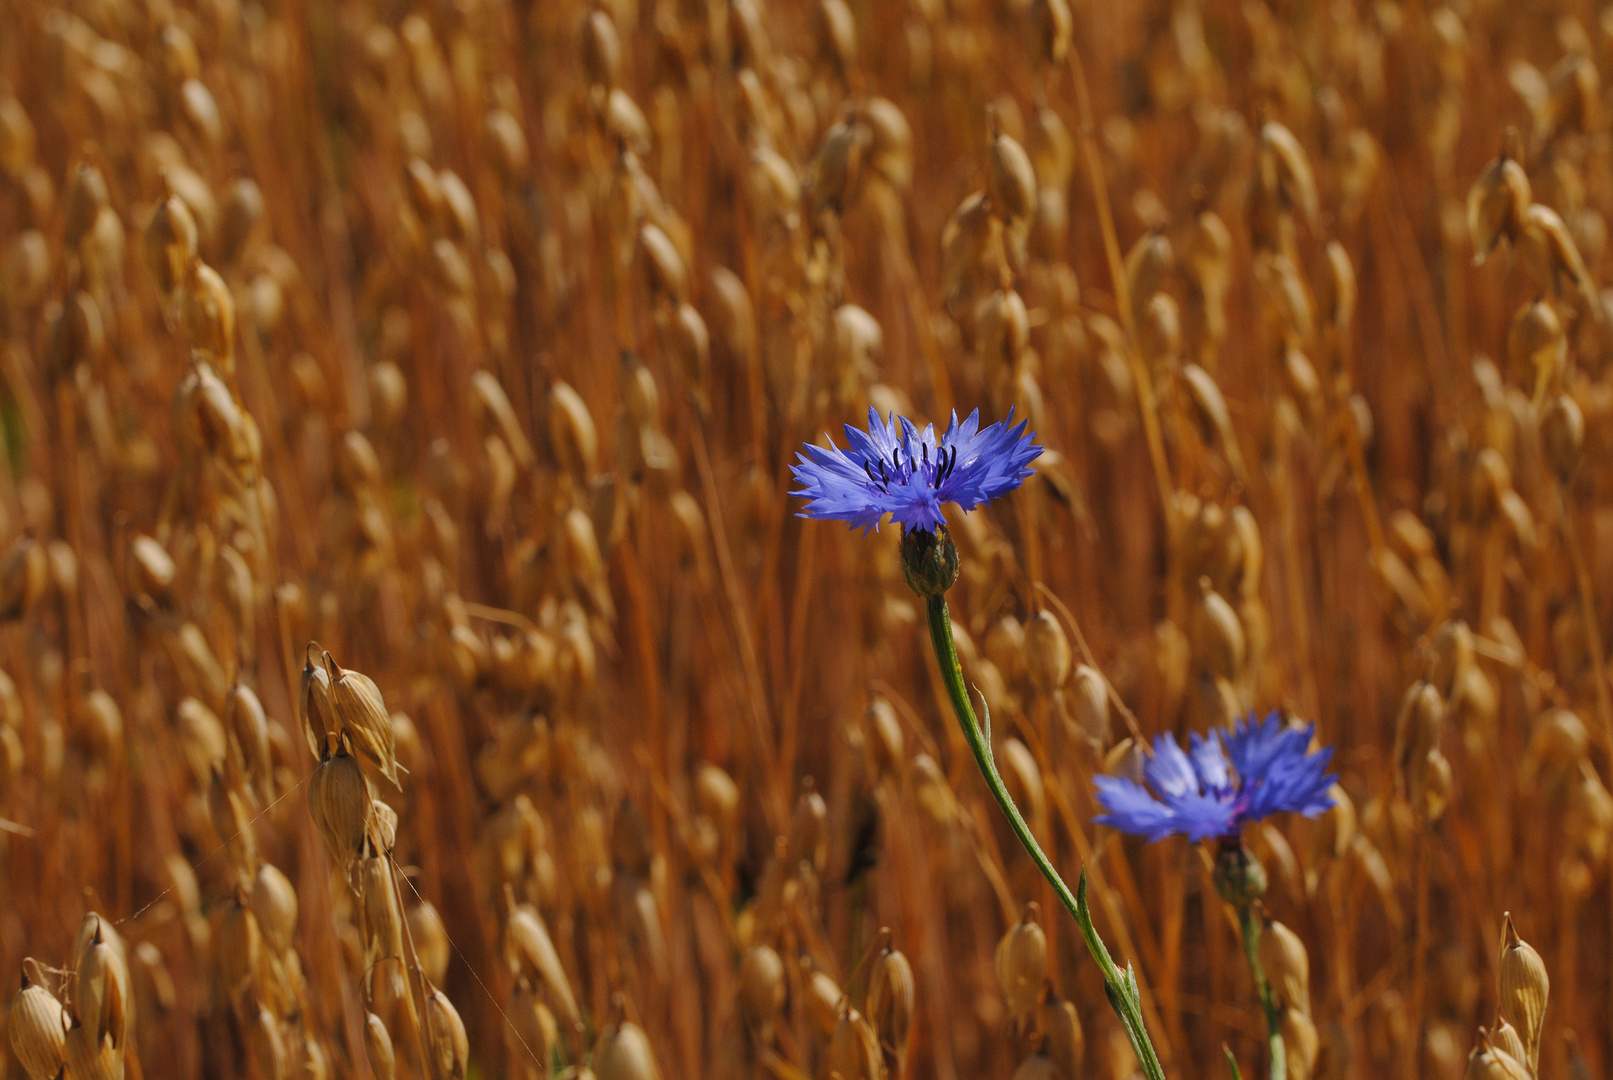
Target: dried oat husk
1021,962
1548,250
1287,965
1524,987
170,243
854,1048
316,706
573,438
90,1057
1219,645
532,1033
249,724
809,832
1496,204
890,1007
1285,168
24,575
448,1046
1450,656
379,921
266,1044
378,1048
238,942
530,951
1089,705
885,742
1562,437
1417,730
1038,1067
625,1054
1489,1062
1503,1036
1301,1042
1063,1041
357,706
38,1025
761,985
339,801
430,939
101,999
1046,653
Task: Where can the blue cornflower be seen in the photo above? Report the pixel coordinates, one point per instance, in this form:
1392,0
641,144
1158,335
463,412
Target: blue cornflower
1224,781
909,474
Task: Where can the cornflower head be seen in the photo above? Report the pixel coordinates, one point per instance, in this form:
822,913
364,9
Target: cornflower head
894,468
1222,782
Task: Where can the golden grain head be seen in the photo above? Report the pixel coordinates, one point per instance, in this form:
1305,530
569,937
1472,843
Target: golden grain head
1524,988
891,1001
1022,962
38,1025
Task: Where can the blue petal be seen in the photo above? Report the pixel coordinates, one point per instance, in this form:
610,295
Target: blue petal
1132,809
893,467
1277,771
1169,771
1209,762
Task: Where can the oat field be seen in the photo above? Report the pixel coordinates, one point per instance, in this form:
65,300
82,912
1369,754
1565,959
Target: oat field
423,656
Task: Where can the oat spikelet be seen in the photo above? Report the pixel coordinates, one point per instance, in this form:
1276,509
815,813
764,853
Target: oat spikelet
359,708
38,1025
1524,987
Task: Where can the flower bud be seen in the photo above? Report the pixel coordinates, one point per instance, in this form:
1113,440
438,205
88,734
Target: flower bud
929,560
1239,878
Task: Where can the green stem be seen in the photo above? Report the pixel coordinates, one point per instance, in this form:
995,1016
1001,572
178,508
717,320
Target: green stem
1249,919
1121,986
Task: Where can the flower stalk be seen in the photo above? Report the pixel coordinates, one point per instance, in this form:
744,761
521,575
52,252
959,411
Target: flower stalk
1120,986
1249,919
